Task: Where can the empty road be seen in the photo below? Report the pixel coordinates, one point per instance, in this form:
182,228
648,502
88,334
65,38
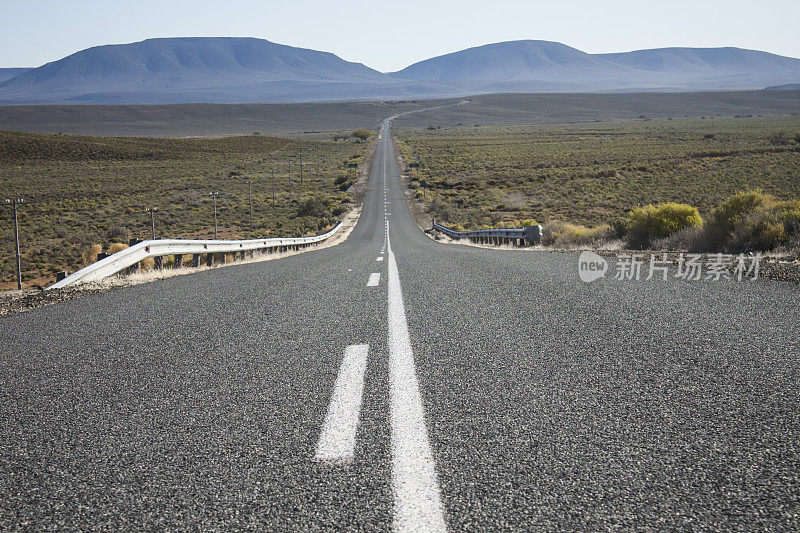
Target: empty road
396,382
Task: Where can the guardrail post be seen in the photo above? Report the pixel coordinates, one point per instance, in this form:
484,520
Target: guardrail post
133,241
221,258
61,275
101,255
209,259
158,262
178,261
195,260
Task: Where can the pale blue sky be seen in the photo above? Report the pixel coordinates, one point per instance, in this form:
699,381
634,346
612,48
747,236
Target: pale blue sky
388,35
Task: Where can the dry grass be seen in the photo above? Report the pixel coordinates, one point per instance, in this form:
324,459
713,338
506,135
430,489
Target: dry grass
90,255
115,247
563,234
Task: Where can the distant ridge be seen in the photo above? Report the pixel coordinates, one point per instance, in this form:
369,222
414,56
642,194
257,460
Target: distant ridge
8,73
536,66
786,87
242,70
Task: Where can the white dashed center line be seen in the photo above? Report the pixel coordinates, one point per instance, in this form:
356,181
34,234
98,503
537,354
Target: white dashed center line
338,439
374,279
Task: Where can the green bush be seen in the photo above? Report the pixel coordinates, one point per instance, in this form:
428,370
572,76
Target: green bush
314,207
789,213
763,231
361,134
737,223
659,221
752,220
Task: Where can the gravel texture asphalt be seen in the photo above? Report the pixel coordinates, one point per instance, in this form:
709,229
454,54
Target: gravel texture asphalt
196,402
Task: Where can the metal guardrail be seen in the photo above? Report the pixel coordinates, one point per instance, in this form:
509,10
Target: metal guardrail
530,234
128,257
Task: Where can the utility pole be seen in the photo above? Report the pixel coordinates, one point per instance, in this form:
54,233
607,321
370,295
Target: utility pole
152,219
300,155
13,202
214,199
289,178
272,174
250,196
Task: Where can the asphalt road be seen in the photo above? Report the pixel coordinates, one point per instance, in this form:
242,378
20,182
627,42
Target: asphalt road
495,391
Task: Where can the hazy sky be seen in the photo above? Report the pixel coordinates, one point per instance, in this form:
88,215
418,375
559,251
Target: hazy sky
389,35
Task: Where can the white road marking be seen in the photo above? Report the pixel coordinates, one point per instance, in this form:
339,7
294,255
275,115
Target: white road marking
337,441
417,503
374,279
379,259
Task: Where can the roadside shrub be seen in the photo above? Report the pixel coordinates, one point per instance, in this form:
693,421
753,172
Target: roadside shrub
361,134
148,263
90,255
440,210
762,231
619,227
729,214
789,213
557,233
314,207
651,222
752,220
735,222
115,247
687,240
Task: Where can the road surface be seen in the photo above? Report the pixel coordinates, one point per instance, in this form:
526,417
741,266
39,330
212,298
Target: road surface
396,382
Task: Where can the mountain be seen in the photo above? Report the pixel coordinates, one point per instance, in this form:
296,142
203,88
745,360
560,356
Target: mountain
533,65
508,61
720,67
190,69
8,73
785,87
243,70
